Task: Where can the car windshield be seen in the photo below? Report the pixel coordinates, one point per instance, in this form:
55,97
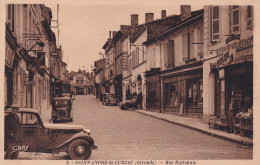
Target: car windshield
61,103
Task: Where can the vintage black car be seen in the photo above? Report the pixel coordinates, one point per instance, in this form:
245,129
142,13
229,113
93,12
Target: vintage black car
109,99
134,102
53,138
62,109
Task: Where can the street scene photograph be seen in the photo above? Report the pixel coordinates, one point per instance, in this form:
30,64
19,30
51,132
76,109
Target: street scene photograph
128,81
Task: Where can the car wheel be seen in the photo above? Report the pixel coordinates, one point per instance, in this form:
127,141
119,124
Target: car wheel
79,149
62,114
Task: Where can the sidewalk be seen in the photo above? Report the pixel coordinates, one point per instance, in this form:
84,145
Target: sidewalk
198,125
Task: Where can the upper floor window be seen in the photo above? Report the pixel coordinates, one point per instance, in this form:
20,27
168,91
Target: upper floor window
129,66
235,24
188,47
135,57
152,59
169,53
214,23
249,16
165,51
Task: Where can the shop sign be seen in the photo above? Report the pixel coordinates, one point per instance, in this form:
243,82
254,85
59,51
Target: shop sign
125,62
237,45
225,60
9,55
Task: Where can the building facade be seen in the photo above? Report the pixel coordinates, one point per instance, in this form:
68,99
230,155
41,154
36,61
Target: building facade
30,46
228,64
180,66
99,74
81,82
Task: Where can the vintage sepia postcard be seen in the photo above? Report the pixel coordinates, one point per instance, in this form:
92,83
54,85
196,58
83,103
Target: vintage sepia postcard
129,82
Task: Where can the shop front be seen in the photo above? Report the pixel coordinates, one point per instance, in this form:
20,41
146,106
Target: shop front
234,95
183,92
153,89
233,74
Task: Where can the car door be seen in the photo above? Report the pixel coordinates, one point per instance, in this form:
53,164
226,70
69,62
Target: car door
29,131
33,132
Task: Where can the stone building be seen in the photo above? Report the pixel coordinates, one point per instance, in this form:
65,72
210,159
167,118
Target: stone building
175,66
228,63
81,82
29,56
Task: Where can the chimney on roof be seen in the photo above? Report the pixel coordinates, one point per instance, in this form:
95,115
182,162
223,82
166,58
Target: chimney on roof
163,14
114,33
185,12
134,19
149,17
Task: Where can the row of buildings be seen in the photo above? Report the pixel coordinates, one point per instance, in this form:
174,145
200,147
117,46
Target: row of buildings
34,68
188,64
33,61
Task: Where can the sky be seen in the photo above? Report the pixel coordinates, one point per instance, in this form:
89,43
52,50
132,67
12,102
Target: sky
84,28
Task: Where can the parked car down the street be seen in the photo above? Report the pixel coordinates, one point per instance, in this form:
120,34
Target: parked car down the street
53,138
62,109
132,103
109,99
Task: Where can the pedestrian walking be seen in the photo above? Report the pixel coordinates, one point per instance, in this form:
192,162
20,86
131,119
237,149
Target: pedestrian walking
12,132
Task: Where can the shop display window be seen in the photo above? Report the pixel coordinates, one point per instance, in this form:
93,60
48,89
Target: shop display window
195,93
151,90
171,94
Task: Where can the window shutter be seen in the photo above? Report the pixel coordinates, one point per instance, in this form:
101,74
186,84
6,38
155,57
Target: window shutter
215,23
200,40
171,52
249,16
191,45
165,50
153,59
130,68
133,57
137,56
185,47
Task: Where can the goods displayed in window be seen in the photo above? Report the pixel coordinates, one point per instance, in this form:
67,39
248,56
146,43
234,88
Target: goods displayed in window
171,91
195,90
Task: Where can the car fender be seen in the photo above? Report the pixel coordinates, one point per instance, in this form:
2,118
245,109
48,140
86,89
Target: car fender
80,135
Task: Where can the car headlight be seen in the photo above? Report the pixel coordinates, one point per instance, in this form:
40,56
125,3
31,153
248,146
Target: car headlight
85,130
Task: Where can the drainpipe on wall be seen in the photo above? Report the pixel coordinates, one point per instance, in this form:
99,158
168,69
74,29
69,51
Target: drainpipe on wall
160,80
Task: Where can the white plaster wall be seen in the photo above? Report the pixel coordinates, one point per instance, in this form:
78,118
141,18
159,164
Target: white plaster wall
178,44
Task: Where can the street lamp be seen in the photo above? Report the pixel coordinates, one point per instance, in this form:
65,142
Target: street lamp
40,43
